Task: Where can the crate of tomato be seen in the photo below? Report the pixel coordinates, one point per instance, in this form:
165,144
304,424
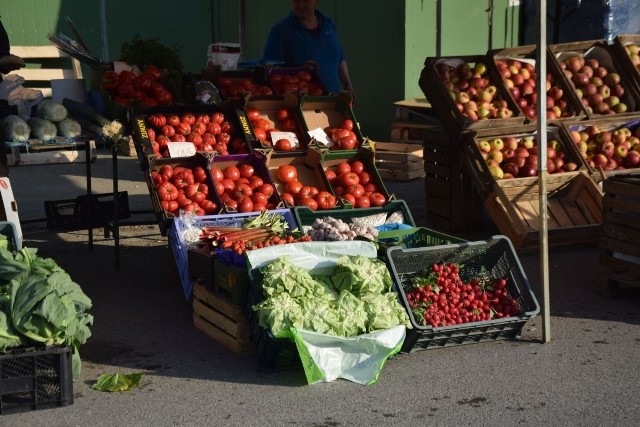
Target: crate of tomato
242,182
176,131
181,184
238,83
300,181
303,79
277,123
485,275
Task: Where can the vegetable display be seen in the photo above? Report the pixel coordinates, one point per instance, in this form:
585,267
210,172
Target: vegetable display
353,182
51,110
186,188
332,229
242,187
355,298
295,193
42,129
40,303
69,127
442,298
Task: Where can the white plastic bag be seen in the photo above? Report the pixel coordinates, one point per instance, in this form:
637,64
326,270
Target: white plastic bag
224,55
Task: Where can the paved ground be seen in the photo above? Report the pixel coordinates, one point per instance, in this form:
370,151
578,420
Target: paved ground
586,376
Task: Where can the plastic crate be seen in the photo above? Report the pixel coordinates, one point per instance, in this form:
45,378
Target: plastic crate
95,211
35,378
492,258
415,237
179,247
305,216
8,228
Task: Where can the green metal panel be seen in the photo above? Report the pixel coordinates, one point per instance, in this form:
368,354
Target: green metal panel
420,42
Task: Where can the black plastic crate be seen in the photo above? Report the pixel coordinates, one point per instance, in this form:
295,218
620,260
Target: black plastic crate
35,378
83,212
493,258
414,237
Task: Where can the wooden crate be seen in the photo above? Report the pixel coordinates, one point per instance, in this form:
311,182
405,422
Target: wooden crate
221,320
43,154
620,234
631,72
451,203
399,161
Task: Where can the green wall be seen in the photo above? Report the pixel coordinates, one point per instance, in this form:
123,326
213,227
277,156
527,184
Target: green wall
386,41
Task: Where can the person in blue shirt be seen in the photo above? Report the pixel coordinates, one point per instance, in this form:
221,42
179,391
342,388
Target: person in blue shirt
309,35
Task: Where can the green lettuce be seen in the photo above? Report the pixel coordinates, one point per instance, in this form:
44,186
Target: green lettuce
352,314
384,311
282,276
361,275
279,313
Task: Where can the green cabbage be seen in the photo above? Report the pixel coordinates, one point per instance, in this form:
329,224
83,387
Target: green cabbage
69,127
384,311
279,313
51,110
14,128
42,129
361,275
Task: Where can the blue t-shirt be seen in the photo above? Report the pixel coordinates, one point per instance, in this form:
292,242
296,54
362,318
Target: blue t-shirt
292,43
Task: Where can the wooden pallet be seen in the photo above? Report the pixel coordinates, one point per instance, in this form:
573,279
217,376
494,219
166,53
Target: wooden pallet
408,132
620,234
221,320
399,161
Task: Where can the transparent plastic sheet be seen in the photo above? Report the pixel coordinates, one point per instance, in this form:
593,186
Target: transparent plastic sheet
192,230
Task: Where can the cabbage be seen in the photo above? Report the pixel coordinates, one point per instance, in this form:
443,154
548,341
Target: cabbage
52,111
69,128
14,128
361,275
384,311
42,129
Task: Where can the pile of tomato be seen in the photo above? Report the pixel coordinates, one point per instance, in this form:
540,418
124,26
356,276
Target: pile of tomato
297,194
231,87
300,81
285,121
343,137
442,298
127,87
185,188
208,133
241,189
351,181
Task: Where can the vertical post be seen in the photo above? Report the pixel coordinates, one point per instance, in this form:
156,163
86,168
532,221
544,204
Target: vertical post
541,69
241,27
438,28
104,36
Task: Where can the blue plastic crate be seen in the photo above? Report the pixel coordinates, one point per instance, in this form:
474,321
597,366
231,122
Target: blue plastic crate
179,247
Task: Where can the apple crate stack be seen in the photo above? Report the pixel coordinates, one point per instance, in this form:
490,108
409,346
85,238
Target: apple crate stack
627,49
620,232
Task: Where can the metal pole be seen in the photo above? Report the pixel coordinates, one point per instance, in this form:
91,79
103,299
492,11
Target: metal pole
541,61
103,31
241,26
490,17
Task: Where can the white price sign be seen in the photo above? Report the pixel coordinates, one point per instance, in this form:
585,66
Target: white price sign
275,136
181,149
321,136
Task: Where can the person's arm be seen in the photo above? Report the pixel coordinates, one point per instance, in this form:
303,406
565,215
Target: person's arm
343,72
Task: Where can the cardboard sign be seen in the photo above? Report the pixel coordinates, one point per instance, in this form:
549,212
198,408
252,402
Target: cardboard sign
291,136
181,149
321,136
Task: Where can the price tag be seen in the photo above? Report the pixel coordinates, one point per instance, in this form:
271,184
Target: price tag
321,136
181,149
291,136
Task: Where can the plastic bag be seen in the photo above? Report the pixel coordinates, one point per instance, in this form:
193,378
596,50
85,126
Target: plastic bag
359,359
224,55
23,98
191,231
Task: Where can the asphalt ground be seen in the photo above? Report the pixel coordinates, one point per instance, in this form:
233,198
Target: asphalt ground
587,375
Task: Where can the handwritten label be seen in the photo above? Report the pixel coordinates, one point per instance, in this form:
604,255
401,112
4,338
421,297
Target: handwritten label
291,136
181,149
321,136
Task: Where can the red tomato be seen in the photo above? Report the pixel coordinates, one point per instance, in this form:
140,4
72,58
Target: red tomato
357,166
305,192
228,184
287,173
217,117
208,206
167,191
283,145
362,202
157,120
282,114
219,187
203,118
259,198
331,175
347,124
167,130
200,174
348,179
188,118
350,198
214,128
261,134
182,178
173,119
308,202
232,204
293,187
166,171
156,178
177,138
255,182
266,189
325,200
377,199
356,190
347,143
241,191
289,125
172,206
231,172
199,127
252,113
246,170
261,123
259,207
370,186
343,167
288,199
364,177
339,190
217,174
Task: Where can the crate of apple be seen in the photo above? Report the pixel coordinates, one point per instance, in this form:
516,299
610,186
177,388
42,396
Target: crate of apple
355,184
510,157
243,183
612,150
520,78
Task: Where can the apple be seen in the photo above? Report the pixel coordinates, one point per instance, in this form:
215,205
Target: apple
607,149
512,168
621,151
612,79
519,160
575,136
496,155
570,166
496,172
527,142
551,167
511,142
508,153
527,171
633,159
522,152
484,145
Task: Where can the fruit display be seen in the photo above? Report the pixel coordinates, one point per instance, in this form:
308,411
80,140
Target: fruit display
209,132
183,187
354,183
472,90
442,298
278,128
243,184
609,149
633,51
295,193
331,123
128,87
299,80
237,87
520,78
517,156
596,82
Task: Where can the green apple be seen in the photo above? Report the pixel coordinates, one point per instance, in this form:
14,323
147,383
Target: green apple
496,144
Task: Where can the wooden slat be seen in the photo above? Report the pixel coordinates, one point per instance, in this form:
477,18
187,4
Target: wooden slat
399,147
630,187
222,305
615,245
437,187
237,329
405,166
395,156
238,347
400,175
529,215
